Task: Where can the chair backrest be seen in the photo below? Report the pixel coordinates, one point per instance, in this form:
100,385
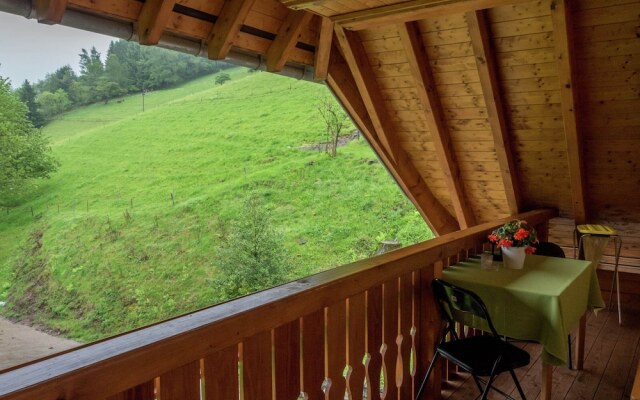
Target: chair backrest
461,305
549,249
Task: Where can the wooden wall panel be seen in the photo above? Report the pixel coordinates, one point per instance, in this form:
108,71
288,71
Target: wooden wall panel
608,58
523,39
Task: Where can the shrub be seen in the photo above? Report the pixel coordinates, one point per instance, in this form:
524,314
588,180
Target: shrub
252,256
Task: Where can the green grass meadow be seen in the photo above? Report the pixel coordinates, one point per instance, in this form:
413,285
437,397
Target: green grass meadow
116,253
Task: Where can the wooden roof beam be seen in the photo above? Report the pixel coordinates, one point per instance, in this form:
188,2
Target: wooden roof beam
153,18
413,11
563,38
488,72
341,81
227,26
301,4
50,11
287,38
323,49
436,120
367,85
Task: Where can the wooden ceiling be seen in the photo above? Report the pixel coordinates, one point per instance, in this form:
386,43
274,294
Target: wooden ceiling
478,108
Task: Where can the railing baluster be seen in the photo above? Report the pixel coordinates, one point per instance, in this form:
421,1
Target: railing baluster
389,336
336,348
428,330
221,374
144,391
181,383
374,342
313,354
406,322
357,332
287,360
256,367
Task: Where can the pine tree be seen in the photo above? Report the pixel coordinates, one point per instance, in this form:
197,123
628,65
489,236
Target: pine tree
27,95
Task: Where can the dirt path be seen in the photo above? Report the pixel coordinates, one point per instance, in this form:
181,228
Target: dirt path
21,343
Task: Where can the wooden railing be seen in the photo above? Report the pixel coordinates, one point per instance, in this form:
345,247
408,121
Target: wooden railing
365,329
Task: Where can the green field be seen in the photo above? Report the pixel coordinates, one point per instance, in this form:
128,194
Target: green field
106,250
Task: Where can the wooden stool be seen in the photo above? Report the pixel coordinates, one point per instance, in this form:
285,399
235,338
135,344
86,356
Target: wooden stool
582,232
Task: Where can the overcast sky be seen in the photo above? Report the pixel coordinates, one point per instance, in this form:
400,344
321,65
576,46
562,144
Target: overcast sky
29,50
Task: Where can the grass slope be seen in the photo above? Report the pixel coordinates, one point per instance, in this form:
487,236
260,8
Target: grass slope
109,266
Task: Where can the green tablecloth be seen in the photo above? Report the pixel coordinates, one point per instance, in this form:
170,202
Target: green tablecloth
542,302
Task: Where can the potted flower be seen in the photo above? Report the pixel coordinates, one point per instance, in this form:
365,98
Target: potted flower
515,239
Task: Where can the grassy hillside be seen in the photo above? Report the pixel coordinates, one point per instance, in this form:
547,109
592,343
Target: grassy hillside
107,251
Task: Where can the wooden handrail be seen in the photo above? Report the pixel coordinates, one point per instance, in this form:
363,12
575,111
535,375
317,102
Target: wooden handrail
113,365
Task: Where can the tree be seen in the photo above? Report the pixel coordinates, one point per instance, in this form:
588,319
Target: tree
222,78
27,95
91,69
252,257
335,120
63,78
24,152
52,104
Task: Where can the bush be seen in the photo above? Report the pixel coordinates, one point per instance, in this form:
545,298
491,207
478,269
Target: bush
222,78
252,256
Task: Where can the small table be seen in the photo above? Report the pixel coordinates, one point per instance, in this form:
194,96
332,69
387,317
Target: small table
542,302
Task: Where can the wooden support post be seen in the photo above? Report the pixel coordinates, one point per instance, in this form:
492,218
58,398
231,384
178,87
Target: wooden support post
356,57
425,84
563,39
488,72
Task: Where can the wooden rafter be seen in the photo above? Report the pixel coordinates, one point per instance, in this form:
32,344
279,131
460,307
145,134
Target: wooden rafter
323,49
488,72
367,85
227,26
286,40
563,38
436,121
301,4
50,11
153,19
414,10
341,81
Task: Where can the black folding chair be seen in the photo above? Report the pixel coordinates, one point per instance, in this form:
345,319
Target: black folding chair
481,356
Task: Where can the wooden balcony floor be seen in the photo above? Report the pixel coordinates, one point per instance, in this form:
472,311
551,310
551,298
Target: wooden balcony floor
612,353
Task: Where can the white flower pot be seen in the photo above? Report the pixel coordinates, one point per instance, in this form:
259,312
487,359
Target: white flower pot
513,257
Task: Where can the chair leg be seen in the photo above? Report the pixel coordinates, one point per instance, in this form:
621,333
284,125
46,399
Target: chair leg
569,363
426,376
517,382
490,380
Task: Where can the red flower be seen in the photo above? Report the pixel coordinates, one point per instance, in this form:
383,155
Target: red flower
521,234
530,250
505,243
493,238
